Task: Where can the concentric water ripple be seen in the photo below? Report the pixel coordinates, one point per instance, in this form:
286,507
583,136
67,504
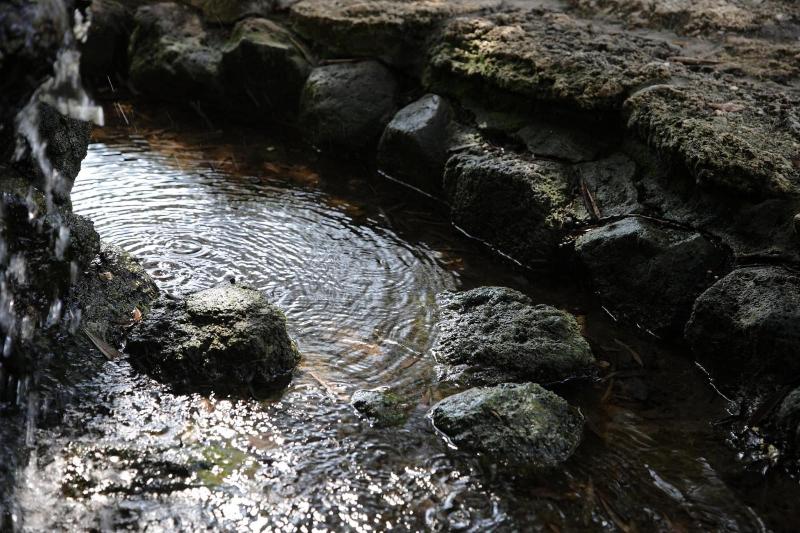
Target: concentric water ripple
357,297
357,280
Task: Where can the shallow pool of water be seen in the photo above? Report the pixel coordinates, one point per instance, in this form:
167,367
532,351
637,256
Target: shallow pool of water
355,262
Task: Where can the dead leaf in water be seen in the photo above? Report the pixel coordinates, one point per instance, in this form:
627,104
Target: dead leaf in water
208,405
136,314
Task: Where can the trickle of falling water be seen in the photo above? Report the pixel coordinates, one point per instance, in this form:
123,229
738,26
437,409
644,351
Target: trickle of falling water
63,91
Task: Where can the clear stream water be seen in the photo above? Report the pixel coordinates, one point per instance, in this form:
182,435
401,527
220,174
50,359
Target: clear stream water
355,261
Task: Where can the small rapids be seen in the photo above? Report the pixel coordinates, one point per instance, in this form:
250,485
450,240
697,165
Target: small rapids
356,263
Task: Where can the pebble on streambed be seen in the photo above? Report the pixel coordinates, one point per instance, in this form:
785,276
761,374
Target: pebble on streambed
380,406
226,339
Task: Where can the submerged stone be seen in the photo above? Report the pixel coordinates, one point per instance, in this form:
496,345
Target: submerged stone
650,272
749,321
264,67
348,105
381,406
222,339
413,147
522,425
515,204
493,335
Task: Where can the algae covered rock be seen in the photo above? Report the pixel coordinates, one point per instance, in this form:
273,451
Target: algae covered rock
749,321
222,339
381,406
493,335
739,139
396,31
172,55
546,56
522,425
515,204
650,272
347,105
264,67
413,147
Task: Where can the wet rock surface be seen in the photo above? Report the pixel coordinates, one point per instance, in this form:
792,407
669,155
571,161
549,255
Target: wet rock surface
380,406
648,271
265,65
66,142
413,147
348,105
520,425
111,291
492,335
516,204
223,339
749,321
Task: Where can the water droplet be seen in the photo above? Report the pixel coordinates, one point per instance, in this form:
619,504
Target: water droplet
62,242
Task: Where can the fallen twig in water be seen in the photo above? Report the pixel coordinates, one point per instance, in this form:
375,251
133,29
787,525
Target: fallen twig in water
633,353
105,348
327,386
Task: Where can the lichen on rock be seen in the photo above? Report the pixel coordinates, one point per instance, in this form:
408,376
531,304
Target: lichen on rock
492,335
226,339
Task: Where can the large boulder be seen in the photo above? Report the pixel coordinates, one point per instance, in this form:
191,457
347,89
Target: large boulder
172,55
347,105
264,66
522,425
413,147
224,339
749,321
648,271
493,335
517,205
